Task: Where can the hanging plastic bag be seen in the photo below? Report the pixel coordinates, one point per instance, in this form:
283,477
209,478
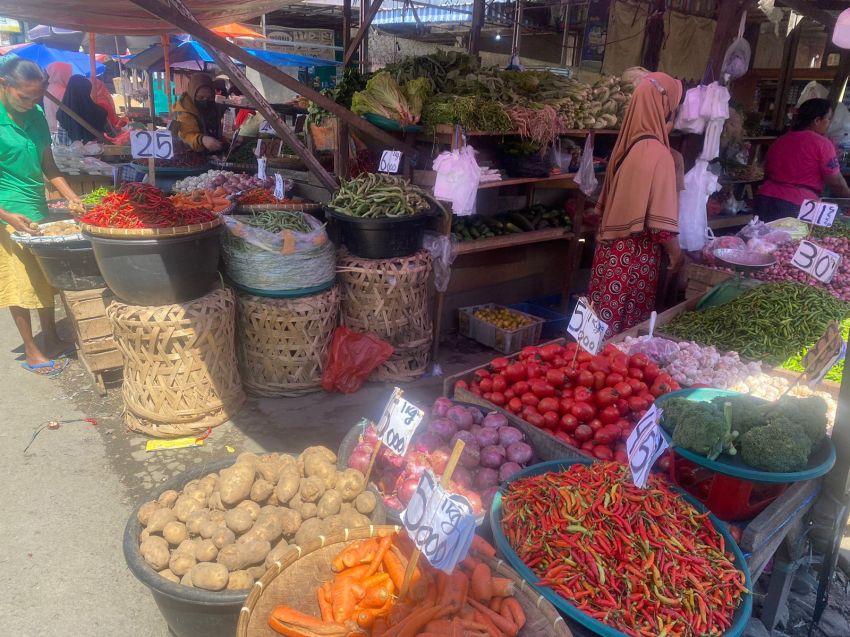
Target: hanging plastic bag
689,118
352,357
699,184
585,177
736,62
442,252
458,176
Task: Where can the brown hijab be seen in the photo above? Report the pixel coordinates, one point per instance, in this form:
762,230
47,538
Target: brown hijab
640,190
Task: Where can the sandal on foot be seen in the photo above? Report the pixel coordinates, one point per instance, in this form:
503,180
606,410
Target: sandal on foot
56,367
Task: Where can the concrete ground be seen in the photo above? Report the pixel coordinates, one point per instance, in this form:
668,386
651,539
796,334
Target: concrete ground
67,499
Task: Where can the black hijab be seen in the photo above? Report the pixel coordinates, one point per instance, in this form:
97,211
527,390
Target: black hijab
78,99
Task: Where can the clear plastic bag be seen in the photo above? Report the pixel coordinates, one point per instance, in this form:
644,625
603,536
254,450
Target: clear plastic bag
716,243
586,177
285,242
659,350
736,62
441,249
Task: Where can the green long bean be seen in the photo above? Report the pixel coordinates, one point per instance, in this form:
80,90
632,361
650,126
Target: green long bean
375,196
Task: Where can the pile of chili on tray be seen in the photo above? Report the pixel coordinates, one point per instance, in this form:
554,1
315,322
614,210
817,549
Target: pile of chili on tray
642,561
259,196
138,205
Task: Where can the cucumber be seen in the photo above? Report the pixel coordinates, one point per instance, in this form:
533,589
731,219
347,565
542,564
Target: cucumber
518,220
513,229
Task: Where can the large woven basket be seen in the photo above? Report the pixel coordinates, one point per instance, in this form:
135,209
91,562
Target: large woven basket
180,372
294,579
151,233
387,297
282,344
406,364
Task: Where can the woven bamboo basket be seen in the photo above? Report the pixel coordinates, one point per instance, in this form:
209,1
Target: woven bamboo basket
180,371
294,579
151,233
405,365
282,344
387,297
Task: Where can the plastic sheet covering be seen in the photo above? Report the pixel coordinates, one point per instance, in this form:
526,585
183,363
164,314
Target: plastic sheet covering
441,249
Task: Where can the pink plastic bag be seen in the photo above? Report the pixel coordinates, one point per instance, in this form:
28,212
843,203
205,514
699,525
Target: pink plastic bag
352,358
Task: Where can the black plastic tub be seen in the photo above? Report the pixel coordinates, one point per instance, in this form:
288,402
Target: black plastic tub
159,271
69,265
385,238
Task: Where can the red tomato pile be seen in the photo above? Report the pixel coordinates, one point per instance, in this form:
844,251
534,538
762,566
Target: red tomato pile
593,404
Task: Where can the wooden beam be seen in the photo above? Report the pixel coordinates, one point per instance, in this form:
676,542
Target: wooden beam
174,12
840,81
76,117
478,10
810,10
362,30
786,73
341,166
166,62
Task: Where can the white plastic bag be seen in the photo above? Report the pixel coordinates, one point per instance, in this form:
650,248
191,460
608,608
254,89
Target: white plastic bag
736,62
442,251
699,184
458,176
585,177
689,118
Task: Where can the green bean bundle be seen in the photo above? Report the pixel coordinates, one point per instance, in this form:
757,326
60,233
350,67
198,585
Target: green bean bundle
770,323
376,196
276,221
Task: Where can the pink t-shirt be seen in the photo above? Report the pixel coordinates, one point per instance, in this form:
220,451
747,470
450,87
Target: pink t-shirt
796,165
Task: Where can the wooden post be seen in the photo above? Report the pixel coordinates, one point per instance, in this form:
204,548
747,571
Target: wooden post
368,11
840,81
478,9
342,135
166,61
565,39
786,73
152,160
654,38
92,63
76,117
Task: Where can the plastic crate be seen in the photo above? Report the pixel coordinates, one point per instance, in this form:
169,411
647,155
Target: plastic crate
554,325
499,339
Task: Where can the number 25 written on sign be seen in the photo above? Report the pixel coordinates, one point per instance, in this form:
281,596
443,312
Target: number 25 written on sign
151,144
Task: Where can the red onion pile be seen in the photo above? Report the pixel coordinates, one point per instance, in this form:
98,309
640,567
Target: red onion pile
839,287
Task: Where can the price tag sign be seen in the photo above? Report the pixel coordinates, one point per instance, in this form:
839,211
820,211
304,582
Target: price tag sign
390,159
266,129
586,327
821,358
258,151
279,191
146,144
817,213
439,523
644,445
398,422
261,168
816,261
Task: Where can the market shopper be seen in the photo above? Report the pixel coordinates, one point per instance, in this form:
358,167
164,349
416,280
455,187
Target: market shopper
104,99
26,158
198,117
799,164
59,74
78,99
639,208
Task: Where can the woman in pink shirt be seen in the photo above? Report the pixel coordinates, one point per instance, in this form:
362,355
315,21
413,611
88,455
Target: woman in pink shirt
799,164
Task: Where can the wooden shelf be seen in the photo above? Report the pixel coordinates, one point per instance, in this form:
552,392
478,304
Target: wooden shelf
512,240
445,132
718,223
527,180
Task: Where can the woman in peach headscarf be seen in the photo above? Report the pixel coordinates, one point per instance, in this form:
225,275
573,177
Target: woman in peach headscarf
640,208
103,98
58,74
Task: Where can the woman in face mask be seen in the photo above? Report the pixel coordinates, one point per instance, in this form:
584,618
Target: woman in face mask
198,117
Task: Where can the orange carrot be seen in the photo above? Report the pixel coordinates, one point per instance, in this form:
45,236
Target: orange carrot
457,628
512,609
292,623
343,600
337,564
503,587
395,568
470,625
414,622
480,586
492,629
438,626
379,627
470,562
466,613
355,573
362,554
365,618
377,595
505,625
323,595
375,580
383,547
455,593
482,546
496,604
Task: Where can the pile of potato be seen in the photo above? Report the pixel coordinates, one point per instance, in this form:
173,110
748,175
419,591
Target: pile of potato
224,530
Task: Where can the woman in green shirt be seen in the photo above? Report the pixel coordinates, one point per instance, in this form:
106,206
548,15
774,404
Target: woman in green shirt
25,160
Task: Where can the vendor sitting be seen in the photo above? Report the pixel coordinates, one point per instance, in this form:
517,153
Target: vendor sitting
197,116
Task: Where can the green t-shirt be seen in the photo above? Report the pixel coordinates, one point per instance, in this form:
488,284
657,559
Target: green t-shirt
21,179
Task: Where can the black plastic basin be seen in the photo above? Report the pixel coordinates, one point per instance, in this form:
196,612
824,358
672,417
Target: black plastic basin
69,265
159,271
383,238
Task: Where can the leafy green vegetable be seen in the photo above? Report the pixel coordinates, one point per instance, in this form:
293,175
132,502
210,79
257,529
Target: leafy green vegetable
782,446
383,96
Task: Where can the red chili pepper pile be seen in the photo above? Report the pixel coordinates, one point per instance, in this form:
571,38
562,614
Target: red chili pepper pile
643,561
138,205
259,196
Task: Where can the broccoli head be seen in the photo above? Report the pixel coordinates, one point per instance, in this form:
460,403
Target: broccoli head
809,413
781,445
676,410
704,430
746,412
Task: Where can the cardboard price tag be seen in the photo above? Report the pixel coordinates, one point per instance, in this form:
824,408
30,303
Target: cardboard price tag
440,524
390,159
279,190
261,168
816,261
146,144
818,213
586,328
398,423
644,445
821,358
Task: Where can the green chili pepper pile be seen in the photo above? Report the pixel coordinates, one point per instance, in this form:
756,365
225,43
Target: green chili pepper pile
374,196
96,196
769,323
795,363
643,561
279,220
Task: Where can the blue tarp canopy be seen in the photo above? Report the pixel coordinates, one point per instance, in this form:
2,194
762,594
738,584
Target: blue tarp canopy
44,55
192,55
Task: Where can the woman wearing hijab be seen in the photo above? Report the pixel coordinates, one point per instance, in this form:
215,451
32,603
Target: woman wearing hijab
78,99
198,117
58,73
640,208
103,98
